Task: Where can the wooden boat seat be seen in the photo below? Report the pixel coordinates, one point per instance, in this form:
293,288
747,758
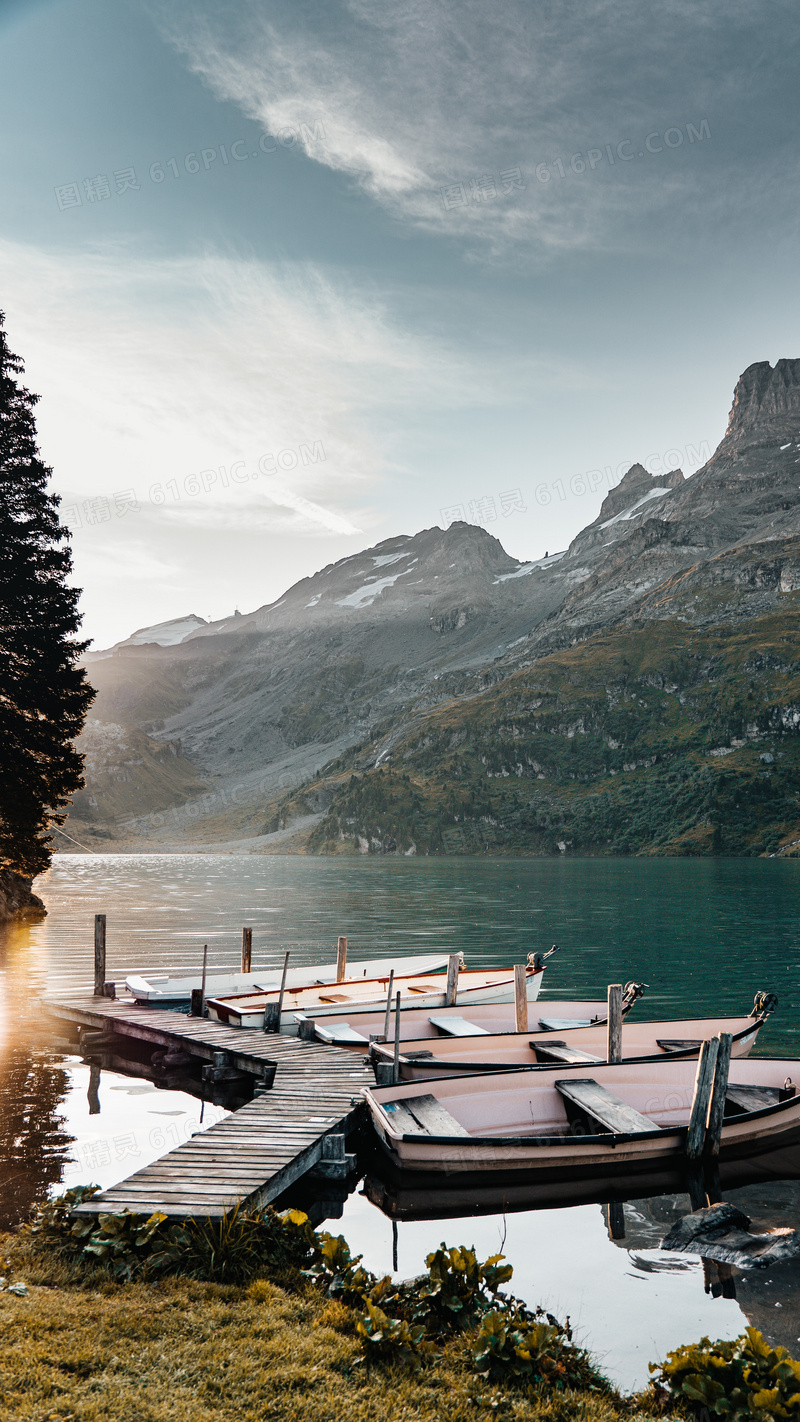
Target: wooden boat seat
423,1116
339,1032
678,1044
420,1056
755,1098
334,997
589,1103
565,1024
554,1051
457,1027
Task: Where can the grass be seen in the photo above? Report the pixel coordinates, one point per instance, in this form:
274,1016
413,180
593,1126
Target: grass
82,1348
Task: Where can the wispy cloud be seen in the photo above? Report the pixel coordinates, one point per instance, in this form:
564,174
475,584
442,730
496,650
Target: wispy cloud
422,94
213,386
196,407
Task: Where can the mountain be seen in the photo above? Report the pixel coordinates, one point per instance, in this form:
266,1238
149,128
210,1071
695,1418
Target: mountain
637,692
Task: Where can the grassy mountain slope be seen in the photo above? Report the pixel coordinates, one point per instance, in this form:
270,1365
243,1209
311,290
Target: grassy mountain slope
651,738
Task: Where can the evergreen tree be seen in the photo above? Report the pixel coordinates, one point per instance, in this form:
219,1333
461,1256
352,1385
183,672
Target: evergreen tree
44,695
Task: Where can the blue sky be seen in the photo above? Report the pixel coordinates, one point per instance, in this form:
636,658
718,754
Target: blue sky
292,278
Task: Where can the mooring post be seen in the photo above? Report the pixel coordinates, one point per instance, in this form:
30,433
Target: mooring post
273,1010
521,996
99,955
197,1007
716,1109
396,1067
614,1042
247,949
388,1006
703,1083
341,959
451,992
92,1094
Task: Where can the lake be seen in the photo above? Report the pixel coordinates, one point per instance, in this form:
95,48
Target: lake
705,935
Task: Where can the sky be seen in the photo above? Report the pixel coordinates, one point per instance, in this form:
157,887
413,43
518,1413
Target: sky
294,276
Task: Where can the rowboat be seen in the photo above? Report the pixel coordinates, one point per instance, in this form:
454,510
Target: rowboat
424,1059
629,1116
424,990
359,1026
165,990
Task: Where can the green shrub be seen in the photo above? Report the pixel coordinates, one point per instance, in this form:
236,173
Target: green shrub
337,1272
229,1250
458,1290
741,1380
391,1340
532,1349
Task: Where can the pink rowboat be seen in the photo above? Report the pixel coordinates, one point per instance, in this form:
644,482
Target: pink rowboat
426,1059
577,1122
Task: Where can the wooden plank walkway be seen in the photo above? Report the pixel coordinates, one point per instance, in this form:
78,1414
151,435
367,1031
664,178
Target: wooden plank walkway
256,1153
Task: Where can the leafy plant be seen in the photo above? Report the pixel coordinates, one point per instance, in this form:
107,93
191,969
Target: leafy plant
457,1289
531,1348
52,1220
231,1249
128,1244
391,1340
739,1380
336,1271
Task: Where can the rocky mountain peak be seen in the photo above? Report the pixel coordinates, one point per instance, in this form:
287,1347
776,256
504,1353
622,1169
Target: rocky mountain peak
633,486
766,406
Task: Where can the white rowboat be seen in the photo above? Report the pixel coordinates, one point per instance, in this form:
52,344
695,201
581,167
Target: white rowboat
338,999
163,990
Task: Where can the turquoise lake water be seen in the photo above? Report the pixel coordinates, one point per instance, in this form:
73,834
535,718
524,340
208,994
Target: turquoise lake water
705,935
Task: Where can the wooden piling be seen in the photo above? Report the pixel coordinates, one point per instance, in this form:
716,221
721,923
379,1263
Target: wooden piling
92,1094
388,1006
521,996
703,1084
196,1004
716,1109
451,993
247,949
616,1219
396,1070
273,1010
614,1038
99,954
341,960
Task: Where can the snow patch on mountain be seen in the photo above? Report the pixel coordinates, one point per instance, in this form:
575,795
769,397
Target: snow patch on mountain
634,508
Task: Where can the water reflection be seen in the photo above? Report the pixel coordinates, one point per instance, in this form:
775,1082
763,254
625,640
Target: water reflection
34,1147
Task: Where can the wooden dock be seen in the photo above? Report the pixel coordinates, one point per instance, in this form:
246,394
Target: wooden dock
259,1151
